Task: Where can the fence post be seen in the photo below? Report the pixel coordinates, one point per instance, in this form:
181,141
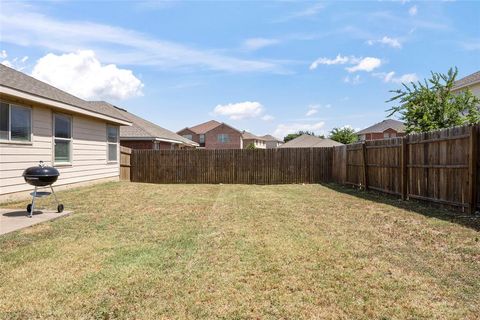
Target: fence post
472,169
365,165
404,168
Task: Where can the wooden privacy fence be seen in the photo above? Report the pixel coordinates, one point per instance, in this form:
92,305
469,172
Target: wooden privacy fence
440,166
271,166
125,154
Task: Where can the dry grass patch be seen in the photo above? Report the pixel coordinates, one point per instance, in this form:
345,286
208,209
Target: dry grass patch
234,251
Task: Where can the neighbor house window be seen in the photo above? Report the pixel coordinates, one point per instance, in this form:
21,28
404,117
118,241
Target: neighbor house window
202,138
188,136
112,141
223,138
62,137
15,122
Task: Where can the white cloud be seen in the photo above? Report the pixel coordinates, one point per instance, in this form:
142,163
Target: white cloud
413,11
15,63
310,11
253,44
312,110
3,54
339,59
366,64
268,117
391,42
284,129
390,77
352,79
21,25
82,75
240,110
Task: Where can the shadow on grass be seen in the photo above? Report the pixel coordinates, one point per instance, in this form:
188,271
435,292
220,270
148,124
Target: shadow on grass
424,208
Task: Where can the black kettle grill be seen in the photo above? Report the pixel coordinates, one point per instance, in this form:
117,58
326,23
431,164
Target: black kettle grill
41,176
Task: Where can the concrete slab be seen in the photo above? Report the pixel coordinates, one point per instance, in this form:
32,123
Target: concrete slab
16,219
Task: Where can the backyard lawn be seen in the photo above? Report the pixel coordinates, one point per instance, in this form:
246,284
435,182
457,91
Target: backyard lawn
145,251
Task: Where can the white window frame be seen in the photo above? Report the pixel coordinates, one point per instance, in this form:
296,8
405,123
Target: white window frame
200,138
9,139
188,136
70,149
109,143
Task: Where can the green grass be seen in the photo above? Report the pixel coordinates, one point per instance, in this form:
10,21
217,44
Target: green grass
144,251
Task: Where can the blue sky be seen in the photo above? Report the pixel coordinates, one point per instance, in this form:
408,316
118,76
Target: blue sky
267,67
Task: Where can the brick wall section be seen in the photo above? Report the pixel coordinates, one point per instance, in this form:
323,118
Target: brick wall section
195,137
380,135
211,141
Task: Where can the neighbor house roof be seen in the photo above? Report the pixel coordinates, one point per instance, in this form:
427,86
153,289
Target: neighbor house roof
18,84
308,141
269,137
467,81
250,136
203,128
384,125
142,129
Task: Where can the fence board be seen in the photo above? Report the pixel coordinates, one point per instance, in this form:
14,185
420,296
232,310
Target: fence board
125,154
271,166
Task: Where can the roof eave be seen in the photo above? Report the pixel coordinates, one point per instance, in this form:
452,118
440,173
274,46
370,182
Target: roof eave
59,105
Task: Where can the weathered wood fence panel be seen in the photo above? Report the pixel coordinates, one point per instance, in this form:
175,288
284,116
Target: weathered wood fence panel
125,154
339,164
271,166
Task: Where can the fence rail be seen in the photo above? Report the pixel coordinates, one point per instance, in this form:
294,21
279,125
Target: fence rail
441,166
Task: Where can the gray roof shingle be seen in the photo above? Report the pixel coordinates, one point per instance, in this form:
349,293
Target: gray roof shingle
308,141
269,137
467,81
17,80
384,125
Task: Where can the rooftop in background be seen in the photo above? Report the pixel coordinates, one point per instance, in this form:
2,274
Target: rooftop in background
204,127
250,136
384,125
308,141
142,128
469,80
20,81
269,137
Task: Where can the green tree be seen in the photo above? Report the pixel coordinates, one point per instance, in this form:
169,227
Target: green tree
344,135
432,105
292,136
251,146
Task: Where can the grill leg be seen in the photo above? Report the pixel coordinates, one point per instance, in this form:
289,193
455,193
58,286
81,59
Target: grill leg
54,195
33,203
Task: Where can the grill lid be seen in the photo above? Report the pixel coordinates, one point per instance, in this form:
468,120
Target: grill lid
41,170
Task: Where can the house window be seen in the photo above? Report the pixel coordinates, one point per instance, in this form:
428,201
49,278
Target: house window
223,138
15,122
112,142
362,137
202,138
62,137
188,136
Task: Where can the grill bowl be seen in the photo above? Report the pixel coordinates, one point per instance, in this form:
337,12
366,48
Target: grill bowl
40,176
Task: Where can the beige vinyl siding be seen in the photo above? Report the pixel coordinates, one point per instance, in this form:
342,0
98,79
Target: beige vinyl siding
89,153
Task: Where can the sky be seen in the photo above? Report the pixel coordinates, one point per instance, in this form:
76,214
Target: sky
268,67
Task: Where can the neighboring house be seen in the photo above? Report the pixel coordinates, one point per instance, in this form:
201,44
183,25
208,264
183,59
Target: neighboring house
249,138
143,134
39,122
214,135
471,82
308,141
388,128
271,142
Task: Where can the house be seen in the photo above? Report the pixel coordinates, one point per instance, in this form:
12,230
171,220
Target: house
388,128
214,135
308,141
143,134
471,82
271,142
251,139
39,122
